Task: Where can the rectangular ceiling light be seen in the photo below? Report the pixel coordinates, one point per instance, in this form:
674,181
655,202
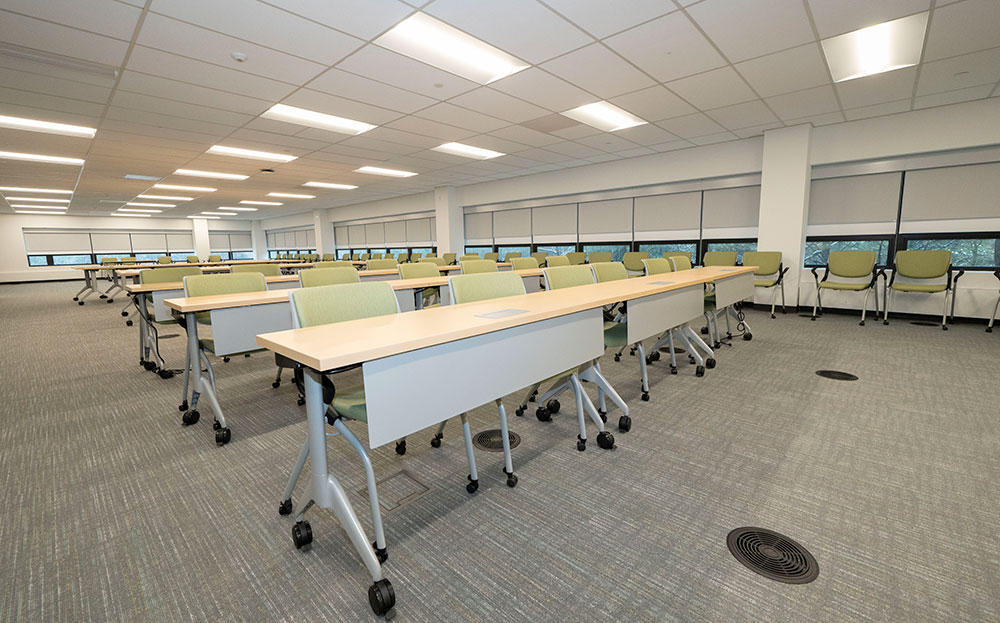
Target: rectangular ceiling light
238,209
196,189
134,176
37,207
252,154
604,116
330,185
36,212
38,199
291,196
876,49
200,216
132,215
212,174
262,203
387,172
164,197
219,213
18,123
12,155
430,41
151,205
150,210
468,151
313,119
18,189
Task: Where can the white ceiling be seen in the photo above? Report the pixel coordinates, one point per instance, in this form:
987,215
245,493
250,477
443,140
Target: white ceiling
700,72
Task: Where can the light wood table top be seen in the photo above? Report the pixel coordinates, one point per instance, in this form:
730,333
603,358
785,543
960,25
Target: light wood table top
118,267
179,285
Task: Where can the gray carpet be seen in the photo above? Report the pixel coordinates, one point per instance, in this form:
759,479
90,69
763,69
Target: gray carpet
113,512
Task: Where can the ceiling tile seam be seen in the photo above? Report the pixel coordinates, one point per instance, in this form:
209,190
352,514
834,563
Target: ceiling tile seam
923,53
352,35
613,34
826,65
63,25
39,107
168,99
146,73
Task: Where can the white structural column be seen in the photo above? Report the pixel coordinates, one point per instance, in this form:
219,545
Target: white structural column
199,231
450,221
324,232
784,199
258,238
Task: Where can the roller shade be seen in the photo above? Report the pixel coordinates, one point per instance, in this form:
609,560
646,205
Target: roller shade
859,204
149,243
668,217
56,242
301,240
418,231
218,242
111,243
731,212
395,233
603,221
554,223
311,238
356,234
341,238
952,199
512,226
240,242
183,242
479,228
375,234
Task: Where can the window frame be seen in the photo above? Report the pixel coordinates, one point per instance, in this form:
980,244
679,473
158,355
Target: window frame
703,246
890,254
904,240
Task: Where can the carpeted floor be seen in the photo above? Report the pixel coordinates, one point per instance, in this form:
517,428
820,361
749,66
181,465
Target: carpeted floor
111,511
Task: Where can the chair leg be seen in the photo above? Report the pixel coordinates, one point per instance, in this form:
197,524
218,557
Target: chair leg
944,316
473,473
532,392
885,312
277,379
508,463
989,327
864,307
592,374
286,498
774,300
817,304
643,375
379,545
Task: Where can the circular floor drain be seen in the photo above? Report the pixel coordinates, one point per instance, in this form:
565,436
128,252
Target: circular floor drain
836,375
772,555
492,441
925,323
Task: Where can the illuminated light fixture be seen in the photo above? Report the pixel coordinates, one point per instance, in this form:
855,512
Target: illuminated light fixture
313,119
38,199
37,207
140,204
330,185
458,149
604,116
220,213
238,209
37,212
200,216
195,189
18,189
12,155
252,154
430,41
291,196
386,172
139,210
262,203
212,174
134,176
136,215
164,197
18,123
876,49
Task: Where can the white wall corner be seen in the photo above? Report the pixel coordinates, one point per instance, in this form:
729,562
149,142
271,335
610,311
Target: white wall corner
258,238
324,232
199,231
450,220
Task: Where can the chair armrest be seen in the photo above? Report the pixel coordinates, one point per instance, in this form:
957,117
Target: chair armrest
826,273
781,273
889,280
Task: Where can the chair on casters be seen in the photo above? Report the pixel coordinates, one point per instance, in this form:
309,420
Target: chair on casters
691,340
329,257
771,271
437,261
149,342
512,255
523,263
473,266
429,297
268,270
214,258
599,256
669,254
386,264
332,264
469,256
163,259
491,256
193,259
633,262
540,257
576,257
989,327
449,258
925,272
848,265
556,260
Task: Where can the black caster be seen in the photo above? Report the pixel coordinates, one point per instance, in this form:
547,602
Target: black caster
222,436
645,396
673,369
813,319
190,417
183,406
699,371
165,374
216,425
773,316
603,415
128,323
80,303
710,363
276,384
989,329
861,324
246,356
401,447
655,356
691,359
943,328
532,397
605,440
285,508
473,485
618,357
581,444
76,298
381,554
225,360
381,597
301,401
553,406
112,301
717,345
519,412
302,535
104,296
747,337
885,323
511,478
704,330
149,365
631,352
543,414
624,423
436,441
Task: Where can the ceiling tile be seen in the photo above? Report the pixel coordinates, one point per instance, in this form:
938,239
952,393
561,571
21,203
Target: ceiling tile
953,97
960,72
711,139
383,133
647,134
835,17
782,72
806,103
492,102
667,48
16,103
597,69
877,110
745,115
747,28
430,128
690,126
490,141
543,155
653,104
359,88
544,89
602,18
361,18
403,72
757,130
104,17
462,117
243,137
38,35
606,141
365,142
340,107
145,84
818,120
885,87
712,89
34,83
169,122
524,28
526,136
159,105
963,27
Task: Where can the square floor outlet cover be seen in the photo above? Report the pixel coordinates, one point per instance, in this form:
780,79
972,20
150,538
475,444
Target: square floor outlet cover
398,490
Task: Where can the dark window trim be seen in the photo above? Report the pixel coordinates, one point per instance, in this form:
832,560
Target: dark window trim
889,238
904,240
704,242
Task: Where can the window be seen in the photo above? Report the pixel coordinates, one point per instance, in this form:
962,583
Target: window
101,256
657,249
617,250
732,245
272,255
502,252
555,249
382,251
180,256
38,260
480,251
147,257
421,250
242,255
396,252
974,251
818,248
70,260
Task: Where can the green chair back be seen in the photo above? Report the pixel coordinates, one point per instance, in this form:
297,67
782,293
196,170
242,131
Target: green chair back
469,256
599,256
346,257
364,257
720,258
333,264
657,266
329,257
128,260
268,270
402,257
491,256
382,264
342,302
523,263
680,262
193,259
437,261
222,283
470,267
167,275
767,262
214,258
669,254
923,264
427,255
567,276
512,255
577,257
556,260
415,257
356,257
313,277
449,258
633,260
108,261
609,271
484,286
540,257
418,270
851,263
163,259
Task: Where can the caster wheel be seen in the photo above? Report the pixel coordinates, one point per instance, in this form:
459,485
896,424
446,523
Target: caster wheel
149,365
246,356
699,371
301,401
691,359
276,384
861,324
183,406
649,361
190,417
76,298
128,323
80,303
473,485
606,440
655,356
285,508
401,447
618,357
165,374
773,316
381,554
222,436
673,369
216,425
553,406
813,319
581,444
543,414
645,396
381,597
519,412
302,534
710,363
225,360
436,441
532,397
885,323
624,423
631,352
512,480
104,296
989,329
604,416
747,337
944,328
112,301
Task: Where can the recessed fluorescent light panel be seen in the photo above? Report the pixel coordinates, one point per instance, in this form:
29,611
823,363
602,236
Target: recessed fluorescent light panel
313,119
150,205
140,210
430,41
37,212
883,47
219,213
212,174
468,151
386,172
38,207
18,189
252,154
12,155
148,178
291,196
330,185
164,197
39,199
132,215
262,203
17,123
604,116
201,216
238,209
194,189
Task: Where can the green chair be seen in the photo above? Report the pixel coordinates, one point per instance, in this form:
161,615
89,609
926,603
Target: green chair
415,257
193,259
127,261
469,256
633,262
333,264
576,258
402,258
989,326
656,266
150,339
719,258
214,258
342,303
491,256
268,270
364,257
692,341
377,256
845,266
556,260
163,259
312,277
386,264
209,285
356,257
669,254
431,255
921,272
680,262
599,256
108,263
470,267
437,261
538,255
523,263
770,273
422,270
450,258
510,256
345,257
329,257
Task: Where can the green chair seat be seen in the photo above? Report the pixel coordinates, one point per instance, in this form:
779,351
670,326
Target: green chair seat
765,284
919,287
836,285
350,404
615,334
